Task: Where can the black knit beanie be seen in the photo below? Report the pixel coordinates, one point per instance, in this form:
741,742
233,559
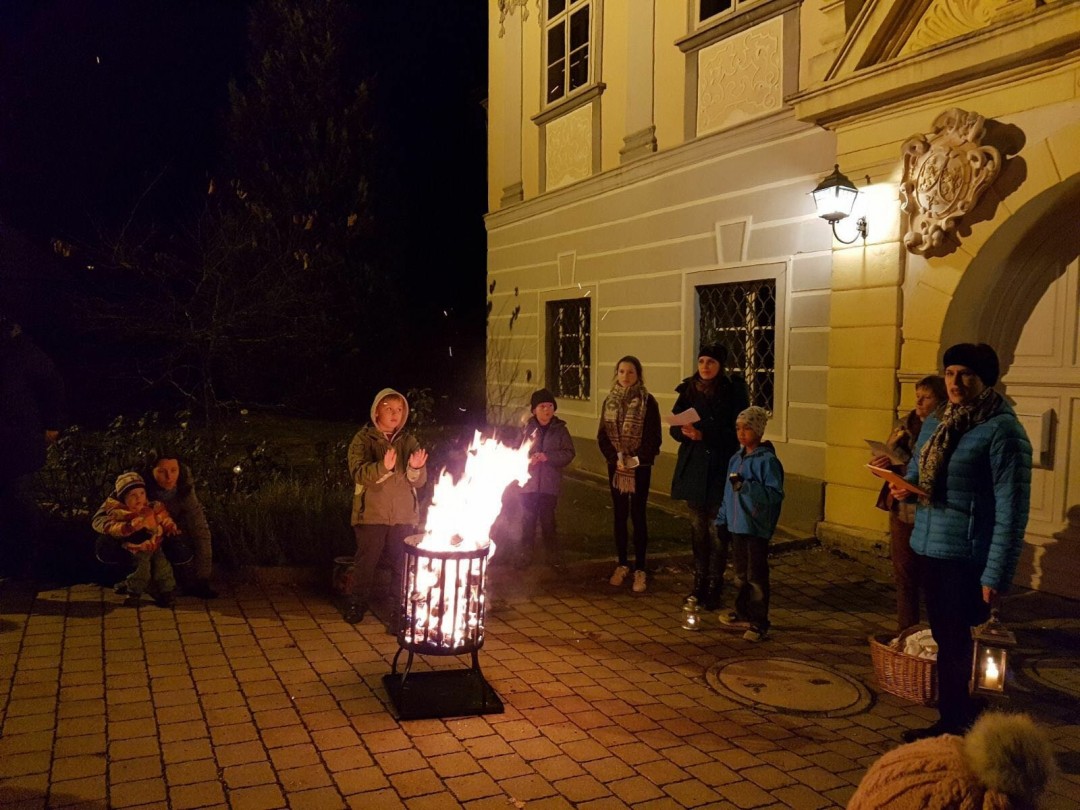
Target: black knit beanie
540,397
715,351
979,357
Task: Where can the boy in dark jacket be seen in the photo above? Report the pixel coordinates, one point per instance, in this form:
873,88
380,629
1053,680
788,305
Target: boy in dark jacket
551,449
388,467
750,510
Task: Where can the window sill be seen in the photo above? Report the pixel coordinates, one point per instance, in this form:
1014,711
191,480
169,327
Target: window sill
579,98
732,23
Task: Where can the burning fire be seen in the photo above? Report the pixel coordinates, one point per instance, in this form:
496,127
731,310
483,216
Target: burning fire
463,512
447,596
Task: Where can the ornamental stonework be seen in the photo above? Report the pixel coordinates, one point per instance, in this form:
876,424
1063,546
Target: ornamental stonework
569,147
946,172
946,20
740,78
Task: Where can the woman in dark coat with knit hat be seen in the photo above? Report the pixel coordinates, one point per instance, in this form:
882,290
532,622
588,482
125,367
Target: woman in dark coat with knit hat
704,449
974,462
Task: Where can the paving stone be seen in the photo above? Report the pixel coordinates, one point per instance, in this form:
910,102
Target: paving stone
132,793
259,797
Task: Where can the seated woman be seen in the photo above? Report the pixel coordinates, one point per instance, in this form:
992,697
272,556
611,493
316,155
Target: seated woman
169,480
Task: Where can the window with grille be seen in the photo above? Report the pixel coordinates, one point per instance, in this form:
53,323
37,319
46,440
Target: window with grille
568,350
742,318
567,28
708,9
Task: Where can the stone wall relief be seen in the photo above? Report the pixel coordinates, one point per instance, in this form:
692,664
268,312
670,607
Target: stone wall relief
945,20
945,174
569,147
740,78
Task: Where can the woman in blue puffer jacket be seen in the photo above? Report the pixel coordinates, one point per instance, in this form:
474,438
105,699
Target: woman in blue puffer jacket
974,464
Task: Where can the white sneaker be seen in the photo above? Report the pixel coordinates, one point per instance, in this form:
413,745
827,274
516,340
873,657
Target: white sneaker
619,577
639,582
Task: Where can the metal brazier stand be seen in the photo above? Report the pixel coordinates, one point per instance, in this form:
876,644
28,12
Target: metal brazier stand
442,613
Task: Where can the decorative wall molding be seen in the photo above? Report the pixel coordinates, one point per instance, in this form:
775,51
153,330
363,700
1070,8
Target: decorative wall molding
569,148
506,9
949,19
945,174
741,77
638,144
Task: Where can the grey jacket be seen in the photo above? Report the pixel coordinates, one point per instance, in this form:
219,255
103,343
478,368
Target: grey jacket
554,442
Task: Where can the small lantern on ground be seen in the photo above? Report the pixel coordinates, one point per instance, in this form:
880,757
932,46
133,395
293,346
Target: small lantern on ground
691,614
992,640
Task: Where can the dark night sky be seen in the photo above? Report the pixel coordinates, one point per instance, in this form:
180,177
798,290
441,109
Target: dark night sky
101,98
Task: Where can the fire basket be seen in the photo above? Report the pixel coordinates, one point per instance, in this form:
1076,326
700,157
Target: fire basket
442,613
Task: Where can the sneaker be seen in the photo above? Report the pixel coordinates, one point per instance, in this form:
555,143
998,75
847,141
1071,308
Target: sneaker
639,582
620,575
132,600
731,619
755,634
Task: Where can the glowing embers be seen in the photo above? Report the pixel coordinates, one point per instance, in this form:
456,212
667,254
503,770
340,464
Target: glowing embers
443,610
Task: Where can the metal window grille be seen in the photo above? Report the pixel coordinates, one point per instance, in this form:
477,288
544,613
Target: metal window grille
742,318
568,349
568,33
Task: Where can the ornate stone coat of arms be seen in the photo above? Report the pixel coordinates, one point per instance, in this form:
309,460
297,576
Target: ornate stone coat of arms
945,174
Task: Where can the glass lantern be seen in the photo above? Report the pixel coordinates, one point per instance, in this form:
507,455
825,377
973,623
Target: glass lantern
990,662
691,613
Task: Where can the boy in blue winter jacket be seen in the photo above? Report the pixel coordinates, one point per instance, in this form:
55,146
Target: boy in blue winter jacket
749,511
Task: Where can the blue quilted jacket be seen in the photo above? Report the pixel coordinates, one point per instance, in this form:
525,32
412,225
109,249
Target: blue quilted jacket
755,508
987,494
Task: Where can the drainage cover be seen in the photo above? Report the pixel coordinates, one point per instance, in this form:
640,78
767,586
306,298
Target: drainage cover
787,685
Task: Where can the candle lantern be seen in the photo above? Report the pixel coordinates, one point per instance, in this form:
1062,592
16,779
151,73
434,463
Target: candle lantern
993,640
691,614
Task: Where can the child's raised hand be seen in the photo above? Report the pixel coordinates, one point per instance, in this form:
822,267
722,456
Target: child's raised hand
417,459
389,459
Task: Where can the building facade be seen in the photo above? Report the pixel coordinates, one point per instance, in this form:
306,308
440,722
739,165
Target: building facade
650,165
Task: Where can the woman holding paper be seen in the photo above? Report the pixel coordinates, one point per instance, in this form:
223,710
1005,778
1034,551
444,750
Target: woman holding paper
929,395
629,438
701,468
974,462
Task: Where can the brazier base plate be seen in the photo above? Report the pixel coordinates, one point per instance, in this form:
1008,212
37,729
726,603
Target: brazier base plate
442,693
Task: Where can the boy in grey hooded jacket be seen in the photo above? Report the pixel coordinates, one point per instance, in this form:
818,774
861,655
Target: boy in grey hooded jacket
388,467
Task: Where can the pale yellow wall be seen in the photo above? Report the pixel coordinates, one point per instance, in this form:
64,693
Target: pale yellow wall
670,66
613,74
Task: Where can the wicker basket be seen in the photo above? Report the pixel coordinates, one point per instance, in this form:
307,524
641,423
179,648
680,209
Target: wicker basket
904,675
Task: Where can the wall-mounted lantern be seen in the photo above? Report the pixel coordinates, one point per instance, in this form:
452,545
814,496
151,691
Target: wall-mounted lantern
834,198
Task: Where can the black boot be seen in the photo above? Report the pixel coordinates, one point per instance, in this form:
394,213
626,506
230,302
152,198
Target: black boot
714,593
699,590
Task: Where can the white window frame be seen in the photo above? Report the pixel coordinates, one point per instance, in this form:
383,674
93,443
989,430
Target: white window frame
563,18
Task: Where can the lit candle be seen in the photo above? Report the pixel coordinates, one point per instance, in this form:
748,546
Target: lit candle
992,674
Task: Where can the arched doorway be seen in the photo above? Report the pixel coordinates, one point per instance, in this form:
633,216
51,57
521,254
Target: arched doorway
1020,294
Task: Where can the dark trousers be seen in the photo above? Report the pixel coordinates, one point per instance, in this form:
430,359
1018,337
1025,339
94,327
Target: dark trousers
709,543
954,604
905,565
751,561
177,549
372,542
539,508
631,506
20,526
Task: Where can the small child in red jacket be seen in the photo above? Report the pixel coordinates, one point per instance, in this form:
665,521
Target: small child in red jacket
139,525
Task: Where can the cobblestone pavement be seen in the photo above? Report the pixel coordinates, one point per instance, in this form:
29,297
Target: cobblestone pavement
264,698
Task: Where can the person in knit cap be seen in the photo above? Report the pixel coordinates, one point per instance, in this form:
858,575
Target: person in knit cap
629,437
973,462
750,509
550,450
139,525
704,449
1005,762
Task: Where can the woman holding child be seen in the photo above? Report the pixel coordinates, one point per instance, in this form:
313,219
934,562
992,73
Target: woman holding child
629,437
